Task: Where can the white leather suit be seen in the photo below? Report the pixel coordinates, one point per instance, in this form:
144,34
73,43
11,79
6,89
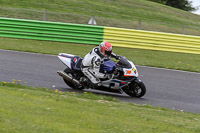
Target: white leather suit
91,65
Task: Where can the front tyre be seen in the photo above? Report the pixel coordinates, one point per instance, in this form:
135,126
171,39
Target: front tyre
135,89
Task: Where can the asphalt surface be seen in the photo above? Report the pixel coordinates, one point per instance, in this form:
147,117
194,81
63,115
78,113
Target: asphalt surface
177,90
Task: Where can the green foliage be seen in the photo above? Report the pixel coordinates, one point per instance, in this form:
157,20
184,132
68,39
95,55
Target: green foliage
180,4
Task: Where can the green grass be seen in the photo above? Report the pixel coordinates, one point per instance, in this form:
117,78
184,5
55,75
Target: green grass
25,109
171,60
115,13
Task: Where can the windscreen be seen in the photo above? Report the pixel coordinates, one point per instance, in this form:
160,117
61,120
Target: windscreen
123,62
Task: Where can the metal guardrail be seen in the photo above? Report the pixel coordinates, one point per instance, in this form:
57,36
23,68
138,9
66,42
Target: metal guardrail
51,31
88,34
152,40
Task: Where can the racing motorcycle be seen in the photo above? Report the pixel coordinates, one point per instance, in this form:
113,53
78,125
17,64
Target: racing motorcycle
124,79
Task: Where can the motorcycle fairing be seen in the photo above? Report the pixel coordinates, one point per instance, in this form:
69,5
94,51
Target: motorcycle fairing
114,83
130,72
76,63
66,59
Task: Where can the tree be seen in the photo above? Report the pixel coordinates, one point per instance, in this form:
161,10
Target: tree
180,4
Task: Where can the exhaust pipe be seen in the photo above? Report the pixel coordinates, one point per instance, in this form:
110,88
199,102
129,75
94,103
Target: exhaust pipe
68,78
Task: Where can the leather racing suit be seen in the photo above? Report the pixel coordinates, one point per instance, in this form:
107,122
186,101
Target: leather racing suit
91,65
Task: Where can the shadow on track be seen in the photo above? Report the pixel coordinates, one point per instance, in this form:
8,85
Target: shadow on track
122,97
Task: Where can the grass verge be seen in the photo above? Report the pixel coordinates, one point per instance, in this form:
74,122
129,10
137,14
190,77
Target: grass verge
170,60
26,109
114,13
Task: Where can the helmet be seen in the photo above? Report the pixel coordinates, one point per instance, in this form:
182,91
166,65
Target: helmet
105,49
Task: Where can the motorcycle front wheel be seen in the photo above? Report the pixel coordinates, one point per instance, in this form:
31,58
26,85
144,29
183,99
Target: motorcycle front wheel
135,89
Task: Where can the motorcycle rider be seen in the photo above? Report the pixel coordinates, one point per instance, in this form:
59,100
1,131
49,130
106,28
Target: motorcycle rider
92,61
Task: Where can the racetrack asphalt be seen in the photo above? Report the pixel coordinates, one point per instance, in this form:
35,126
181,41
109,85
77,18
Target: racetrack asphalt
172,89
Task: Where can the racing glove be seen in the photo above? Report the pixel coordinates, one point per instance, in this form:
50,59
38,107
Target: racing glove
117,57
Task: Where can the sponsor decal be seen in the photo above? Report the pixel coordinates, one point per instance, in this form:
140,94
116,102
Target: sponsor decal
128,71
134,70
75,60
121,83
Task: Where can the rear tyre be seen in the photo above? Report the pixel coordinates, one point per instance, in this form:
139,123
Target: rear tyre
70,84
135,89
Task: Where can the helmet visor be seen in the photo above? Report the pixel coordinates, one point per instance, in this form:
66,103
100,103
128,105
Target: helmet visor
108,53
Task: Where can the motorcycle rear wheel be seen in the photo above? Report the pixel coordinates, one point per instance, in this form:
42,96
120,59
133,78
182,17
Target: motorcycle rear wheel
68,71
135,89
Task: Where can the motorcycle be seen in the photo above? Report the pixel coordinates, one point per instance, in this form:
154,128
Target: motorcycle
125,77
